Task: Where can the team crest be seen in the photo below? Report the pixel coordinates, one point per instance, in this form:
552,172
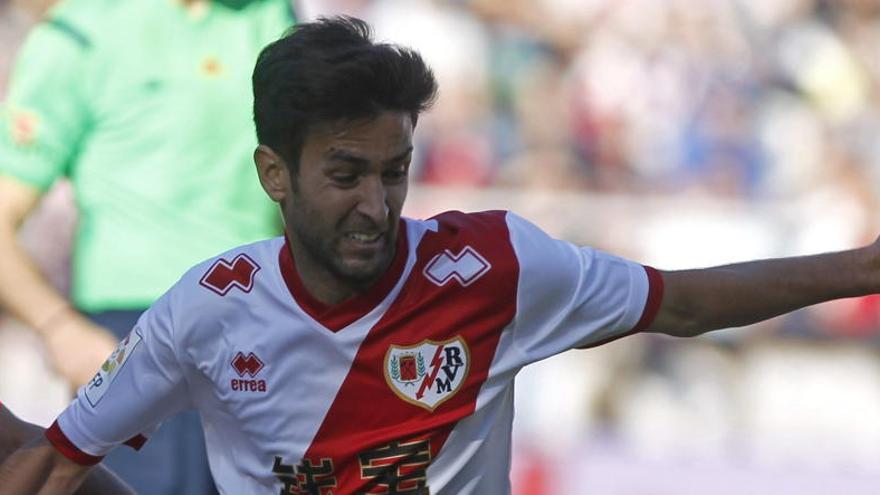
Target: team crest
429,373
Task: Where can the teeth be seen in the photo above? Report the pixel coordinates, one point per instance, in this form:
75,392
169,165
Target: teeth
360,237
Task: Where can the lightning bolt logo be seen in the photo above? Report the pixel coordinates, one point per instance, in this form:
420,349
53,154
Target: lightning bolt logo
435,368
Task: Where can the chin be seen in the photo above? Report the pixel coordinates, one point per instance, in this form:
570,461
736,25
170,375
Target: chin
362,273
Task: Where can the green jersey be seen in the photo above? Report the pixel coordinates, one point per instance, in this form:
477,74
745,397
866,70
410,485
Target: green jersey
146,106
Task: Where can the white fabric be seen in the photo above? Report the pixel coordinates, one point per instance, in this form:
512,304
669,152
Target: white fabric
566,297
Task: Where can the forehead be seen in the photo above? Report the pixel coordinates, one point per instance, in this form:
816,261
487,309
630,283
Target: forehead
375,138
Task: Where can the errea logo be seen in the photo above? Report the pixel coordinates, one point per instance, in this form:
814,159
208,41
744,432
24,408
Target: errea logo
466,267
224,275
249,365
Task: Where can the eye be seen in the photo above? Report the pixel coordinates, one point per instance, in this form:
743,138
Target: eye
344,179
396,174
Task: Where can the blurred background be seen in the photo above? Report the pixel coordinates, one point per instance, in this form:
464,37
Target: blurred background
678,133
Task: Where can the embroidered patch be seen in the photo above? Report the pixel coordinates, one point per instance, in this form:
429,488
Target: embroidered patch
247,366
429,373
98,386
466,267
224,275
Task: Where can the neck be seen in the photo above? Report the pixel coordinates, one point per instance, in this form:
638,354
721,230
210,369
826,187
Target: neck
324,284
321,284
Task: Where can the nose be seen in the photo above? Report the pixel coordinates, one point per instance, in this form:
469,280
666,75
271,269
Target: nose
372,202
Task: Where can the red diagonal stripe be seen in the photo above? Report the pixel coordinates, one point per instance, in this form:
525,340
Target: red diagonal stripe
477,314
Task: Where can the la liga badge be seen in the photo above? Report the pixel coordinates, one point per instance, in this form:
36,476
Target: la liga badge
428,373
97,387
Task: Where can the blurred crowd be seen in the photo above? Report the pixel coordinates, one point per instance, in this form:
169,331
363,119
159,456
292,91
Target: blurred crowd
747,102
741,100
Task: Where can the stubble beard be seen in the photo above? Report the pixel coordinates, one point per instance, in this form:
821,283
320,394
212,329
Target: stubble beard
321,249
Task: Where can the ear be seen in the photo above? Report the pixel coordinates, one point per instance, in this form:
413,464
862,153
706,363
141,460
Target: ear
273,172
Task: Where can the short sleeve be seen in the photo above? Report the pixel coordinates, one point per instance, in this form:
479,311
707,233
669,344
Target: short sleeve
575,297
141,384
45,117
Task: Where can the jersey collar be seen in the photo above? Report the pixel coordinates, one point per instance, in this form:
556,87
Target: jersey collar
335,317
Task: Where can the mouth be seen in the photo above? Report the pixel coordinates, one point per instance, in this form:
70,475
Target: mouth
364,243
364,237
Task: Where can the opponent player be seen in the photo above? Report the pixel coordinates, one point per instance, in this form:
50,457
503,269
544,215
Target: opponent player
369,353
14,432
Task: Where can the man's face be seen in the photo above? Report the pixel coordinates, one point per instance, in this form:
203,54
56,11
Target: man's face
344,205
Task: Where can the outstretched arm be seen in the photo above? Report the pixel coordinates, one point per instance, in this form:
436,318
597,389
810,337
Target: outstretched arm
697,301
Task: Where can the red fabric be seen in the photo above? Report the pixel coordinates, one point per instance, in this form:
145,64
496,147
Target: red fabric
136,442
366,414
652,307
61,443
655,297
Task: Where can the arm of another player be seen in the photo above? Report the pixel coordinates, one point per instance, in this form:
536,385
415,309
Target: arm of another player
37,466
138,387
77,347
39,469
698,301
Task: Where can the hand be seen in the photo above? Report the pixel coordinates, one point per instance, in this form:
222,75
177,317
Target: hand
78,347
13,433
16,434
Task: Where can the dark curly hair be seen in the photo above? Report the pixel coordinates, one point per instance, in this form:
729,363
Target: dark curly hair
330,70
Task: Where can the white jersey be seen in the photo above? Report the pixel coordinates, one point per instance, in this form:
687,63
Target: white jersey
405,389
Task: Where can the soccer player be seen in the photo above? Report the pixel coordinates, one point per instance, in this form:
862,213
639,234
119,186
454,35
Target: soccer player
369,353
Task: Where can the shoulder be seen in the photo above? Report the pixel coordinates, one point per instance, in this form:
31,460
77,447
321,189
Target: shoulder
92,23
79,21
222,291
225,294
486,228
236,271
72,29
498,228
63,34
458,223
229,284
483,223
465,246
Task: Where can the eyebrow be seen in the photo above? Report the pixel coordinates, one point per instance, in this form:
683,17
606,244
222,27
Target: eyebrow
345,156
